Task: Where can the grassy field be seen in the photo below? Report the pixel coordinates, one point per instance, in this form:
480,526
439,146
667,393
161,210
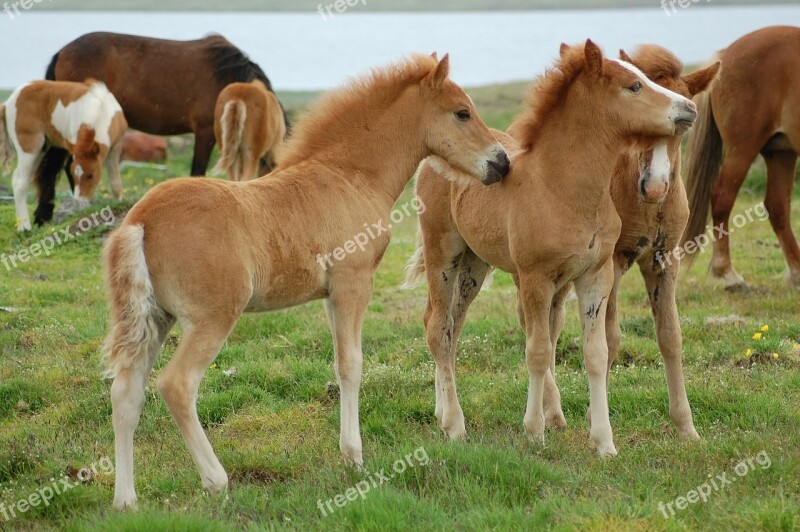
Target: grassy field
370,5
275,426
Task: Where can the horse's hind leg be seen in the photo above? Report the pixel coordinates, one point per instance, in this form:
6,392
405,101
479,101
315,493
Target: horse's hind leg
178,385
21,181
661,290
345,307
723,196
127,399
443,254
204,141
781,171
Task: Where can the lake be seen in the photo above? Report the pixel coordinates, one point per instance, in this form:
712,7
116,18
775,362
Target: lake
301,51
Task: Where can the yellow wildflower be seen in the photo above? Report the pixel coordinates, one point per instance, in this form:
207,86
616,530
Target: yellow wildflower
748,353
757,336
796,347
776,356
765,328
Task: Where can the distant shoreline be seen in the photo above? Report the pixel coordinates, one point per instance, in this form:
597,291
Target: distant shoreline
374,6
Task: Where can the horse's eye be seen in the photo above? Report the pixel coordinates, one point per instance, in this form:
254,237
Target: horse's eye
636,87
464,115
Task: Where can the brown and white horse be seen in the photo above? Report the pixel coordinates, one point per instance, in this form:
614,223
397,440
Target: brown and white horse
650,198
83,118
550,223
754,107
203,251
249,125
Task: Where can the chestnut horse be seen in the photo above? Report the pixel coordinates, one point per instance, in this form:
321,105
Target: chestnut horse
550,223
81,118
203,251
135,69
650,198
249,125
753,108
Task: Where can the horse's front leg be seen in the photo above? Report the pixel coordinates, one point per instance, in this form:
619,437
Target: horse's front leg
536,295
661,289
593,291
21,181
345,307
112,163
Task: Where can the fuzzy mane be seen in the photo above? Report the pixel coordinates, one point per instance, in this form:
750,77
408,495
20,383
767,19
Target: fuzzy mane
546,95
657,62
333,116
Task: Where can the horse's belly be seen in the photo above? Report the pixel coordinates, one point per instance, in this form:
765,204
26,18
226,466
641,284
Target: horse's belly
286,289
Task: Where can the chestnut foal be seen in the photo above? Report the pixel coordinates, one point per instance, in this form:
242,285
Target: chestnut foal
552,222
203,251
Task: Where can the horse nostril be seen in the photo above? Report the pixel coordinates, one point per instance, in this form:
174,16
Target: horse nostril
502,165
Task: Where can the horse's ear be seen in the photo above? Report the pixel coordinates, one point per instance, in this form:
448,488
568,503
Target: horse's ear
700,80
435,55
625,57
563,49
439,76
594,58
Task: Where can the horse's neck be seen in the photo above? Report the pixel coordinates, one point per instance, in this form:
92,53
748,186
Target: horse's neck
382,159
576,160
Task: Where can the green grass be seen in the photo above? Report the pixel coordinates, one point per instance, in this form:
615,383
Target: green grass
275,427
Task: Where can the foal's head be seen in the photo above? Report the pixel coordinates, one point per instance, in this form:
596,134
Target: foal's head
658,164
455,132
87,164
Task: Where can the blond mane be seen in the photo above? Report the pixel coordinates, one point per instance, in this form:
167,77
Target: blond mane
337,113
546,94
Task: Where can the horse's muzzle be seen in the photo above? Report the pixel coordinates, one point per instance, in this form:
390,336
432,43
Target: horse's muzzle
498,169
686,117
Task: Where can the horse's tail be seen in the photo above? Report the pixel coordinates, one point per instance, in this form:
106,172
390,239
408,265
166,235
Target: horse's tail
705,158
51,68
232,123
415,269
6,149
137,320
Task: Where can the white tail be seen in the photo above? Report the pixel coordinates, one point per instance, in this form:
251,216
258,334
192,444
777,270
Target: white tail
136,318
232,161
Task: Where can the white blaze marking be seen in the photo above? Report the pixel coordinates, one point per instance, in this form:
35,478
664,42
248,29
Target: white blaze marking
660,166
77,191
650,83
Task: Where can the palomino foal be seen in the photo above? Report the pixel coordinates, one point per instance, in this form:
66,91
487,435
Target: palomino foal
650,198
84,118
203,251
551,222
249,126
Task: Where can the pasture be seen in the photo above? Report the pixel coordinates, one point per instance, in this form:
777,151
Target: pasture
273,419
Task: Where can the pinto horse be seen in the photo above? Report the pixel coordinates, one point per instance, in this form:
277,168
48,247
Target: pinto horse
754,107
83,119
249,125
203,251
134,68
550,223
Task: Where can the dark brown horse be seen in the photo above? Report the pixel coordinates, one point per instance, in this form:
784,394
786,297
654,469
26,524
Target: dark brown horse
135,69
754,107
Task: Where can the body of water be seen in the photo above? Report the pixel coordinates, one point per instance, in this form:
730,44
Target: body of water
301,51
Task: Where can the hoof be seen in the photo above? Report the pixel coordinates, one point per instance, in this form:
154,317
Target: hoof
690,435
556,420
454,427
126,505
738,288
606,451
535,430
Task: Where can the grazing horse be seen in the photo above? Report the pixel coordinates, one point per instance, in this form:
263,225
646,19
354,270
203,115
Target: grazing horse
141,147
203,251
82,118
136,70
754,107
650,198
550,223
249,125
